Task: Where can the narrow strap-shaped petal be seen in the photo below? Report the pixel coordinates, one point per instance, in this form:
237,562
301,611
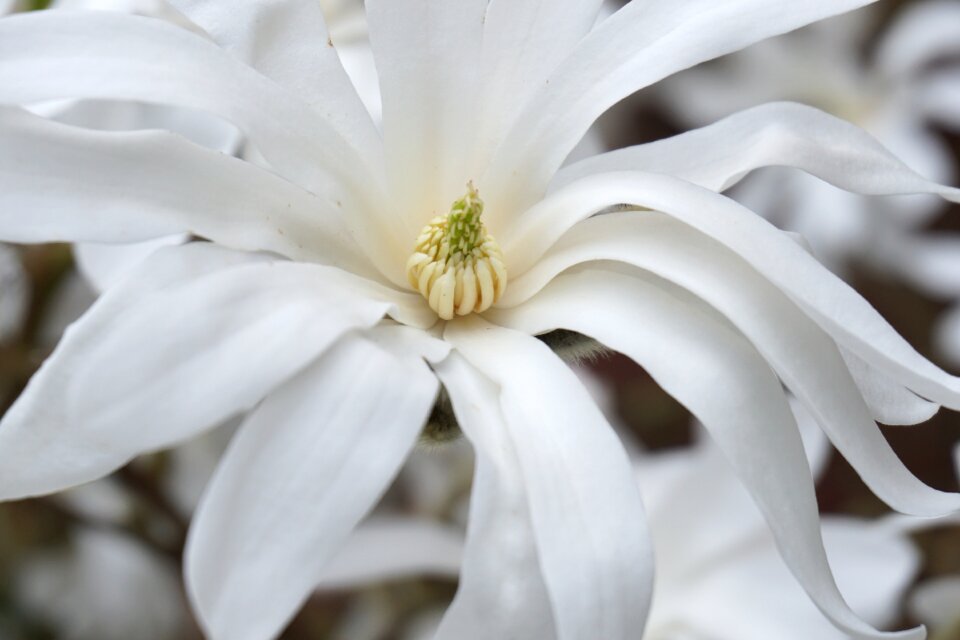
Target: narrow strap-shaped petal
803,354
501,589
304,469
775,134
840,310
61,183
426,54
391,547
288,41
711,369
177,348
639,45
585,507
523,42
51,55
890,402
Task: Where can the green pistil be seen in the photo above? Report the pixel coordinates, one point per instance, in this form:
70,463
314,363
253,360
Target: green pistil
465,231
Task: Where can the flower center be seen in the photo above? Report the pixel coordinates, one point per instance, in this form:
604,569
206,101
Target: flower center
456,265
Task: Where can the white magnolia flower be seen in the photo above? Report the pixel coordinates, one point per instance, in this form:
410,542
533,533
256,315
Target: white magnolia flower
892,92
301,309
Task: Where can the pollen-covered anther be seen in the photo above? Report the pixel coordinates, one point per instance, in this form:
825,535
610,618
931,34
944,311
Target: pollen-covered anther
456,265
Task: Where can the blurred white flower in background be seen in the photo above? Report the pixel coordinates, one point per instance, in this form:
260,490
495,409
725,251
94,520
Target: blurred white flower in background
891,90
936,602
719,575
14,292
305,309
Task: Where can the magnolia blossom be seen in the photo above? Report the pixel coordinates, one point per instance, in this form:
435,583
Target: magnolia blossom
342,283
892,92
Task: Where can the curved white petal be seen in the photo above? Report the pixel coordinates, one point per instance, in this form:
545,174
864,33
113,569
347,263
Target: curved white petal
51,55
921,33
288,41
523,42
584,504
193,338
889,402
302,471
747,595
502,588
81,185
387,548
425,52
935,602
776,134
840,310
696,357
804,356
642,43
105,265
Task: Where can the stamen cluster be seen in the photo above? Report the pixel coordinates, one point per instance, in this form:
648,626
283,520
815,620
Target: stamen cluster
456,265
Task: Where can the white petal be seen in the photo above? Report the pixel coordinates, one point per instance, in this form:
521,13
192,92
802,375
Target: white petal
643,43
502,589
303,470
803,355
840,310
523,42
920,34
104,265
166,355
81,185
776,134
718,375
425,51
389,548
935,602
288,41
889,402
585,508
51,55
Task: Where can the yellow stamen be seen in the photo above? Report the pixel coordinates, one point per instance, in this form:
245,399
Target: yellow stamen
456,265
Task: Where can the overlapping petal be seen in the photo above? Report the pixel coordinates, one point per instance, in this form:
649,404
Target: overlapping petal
641,44
585,509
776,134
119,187
113,56
500,593
843,313
696,357
425,51
803,355
304,469
387,548
194,337
288,41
